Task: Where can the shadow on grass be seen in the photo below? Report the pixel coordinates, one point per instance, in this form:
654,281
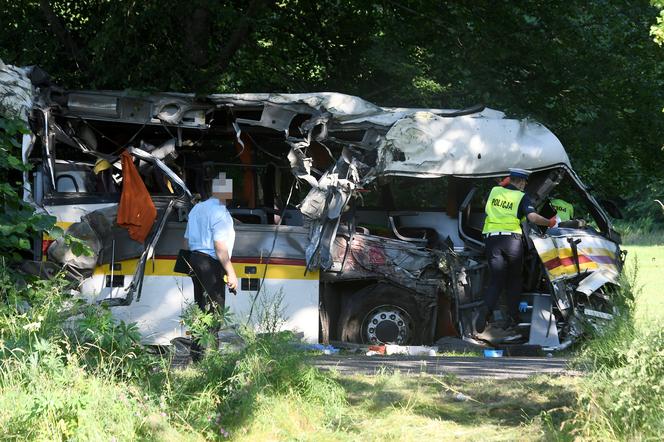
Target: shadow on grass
222,391
504,403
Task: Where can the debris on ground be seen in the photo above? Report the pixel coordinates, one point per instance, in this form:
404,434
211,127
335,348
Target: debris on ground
411,350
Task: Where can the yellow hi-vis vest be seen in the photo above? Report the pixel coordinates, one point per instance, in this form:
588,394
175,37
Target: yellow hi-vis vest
501,211
564,209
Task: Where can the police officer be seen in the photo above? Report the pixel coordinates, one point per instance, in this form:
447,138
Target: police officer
505,207
564,210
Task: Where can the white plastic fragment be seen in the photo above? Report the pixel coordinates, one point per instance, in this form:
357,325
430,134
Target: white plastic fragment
410,350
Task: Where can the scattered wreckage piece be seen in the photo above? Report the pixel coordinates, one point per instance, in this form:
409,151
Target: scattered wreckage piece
346,260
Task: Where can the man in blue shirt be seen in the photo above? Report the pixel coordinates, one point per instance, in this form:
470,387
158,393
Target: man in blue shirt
210,236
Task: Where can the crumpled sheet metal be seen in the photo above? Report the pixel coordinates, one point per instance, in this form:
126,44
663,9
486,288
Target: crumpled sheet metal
392,260
595,253
138,153
596,280
340,106
424,144
16,92
60,252
301,164
322,209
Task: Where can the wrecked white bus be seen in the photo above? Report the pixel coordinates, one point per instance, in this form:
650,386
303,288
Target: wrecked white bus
360,223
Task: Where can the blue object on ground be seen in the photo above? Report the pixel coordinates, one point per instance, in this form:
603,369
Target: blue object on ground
492,353
326,349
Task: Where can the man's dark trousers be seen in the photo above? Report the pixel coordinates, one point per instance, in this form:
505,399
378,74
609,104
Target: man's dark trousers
505,256
209,290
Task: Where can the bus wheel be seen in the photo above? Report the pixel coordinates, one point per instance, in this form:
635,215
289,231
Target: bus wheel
381,314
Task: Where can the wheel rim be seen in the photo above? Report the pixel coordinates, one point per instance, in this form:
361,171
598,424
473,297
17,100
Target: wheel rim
387,324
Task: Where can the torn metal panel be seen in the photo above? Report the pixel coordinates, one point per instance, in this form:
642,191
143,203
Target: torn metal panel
169,108
597,279
48,140
393,114
340,106
61,252
300,163
561,260
27,143
136,285
323,207
273,117
368,256
427,145
163,167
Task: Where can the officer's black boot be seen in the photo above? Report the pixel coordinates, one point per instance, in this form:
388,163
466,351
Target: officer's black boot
479,318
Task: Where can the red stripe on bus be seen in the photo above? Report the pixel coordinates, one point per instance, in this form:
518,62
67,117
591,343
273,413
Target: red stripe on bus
275,261
555,262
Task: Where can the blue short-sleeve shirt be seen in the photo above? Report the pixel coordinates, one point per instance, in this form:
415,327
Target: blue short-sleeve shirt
210,221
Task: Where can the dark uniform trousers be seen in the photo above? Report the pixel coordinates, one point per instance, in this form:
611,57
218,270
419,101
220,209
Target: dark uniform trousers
505,256
209,290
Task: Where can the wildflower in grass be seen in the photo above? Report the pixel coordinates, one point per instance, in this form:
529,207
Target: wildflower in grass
32,326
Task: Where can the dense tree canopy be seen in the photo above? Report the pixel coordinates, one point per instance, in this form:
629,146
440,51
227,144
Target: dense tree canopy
588,70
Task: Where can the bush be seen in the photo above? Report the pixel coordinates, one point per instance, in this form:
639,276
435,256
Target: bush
626,400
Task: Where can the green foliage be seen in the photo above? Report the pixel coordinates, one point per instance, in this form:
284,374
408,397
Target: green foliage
657,30
621,395
68,371
18,221
622,399
203,324
588,70
602,352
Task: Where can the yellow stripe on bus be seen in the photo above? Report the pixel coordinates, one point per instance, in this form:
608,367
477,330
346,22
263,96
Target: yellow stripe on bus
566,252
164,267
571,269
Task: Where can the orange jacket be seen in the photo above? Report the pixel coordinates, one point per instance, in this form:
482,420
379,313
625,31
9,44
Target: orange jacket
136,211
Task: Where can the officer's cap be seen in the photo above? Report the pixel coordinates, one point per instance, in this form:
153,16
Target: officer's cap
519,173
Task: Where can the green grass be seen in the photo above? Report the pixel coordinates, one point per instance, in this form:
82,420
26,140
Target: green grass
650,280
621,396
97,384
421,408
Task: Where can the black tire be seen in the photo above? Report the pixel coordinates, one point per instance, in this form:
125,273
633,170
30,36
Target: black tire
368,302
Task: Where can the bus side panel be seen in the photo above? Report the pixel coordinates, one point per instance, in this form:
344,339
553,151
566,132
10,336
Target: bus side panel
158,312
295,302
288,299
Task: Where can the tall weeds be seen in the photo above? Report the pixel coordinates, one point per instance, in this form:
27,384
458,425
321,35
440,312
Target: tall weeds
68,371
622,396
